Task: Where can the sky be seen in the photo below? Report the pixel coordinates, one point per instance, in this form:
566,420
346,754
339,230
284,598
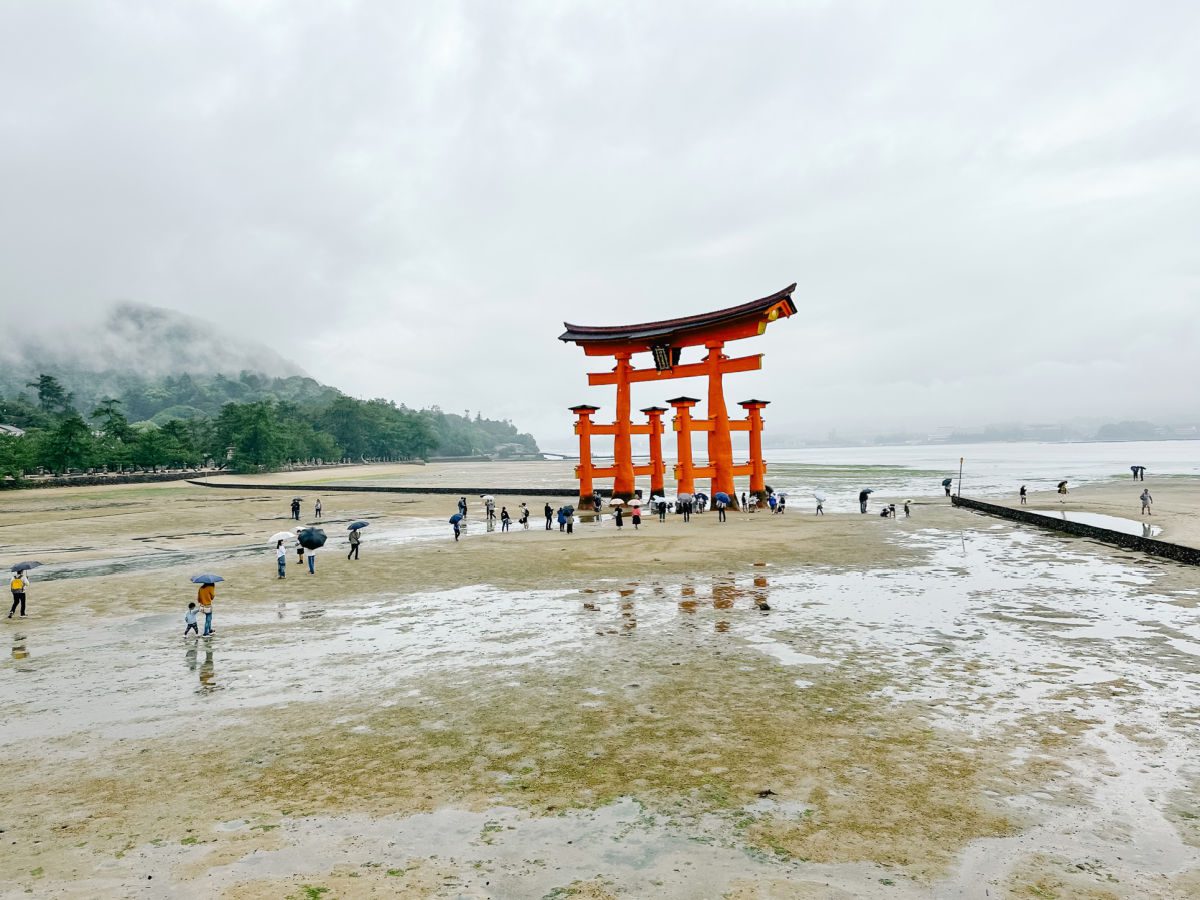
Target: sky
991,210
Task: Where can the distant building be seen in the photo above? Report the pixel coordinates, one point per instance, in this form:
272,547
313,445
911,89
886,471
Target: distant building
12,430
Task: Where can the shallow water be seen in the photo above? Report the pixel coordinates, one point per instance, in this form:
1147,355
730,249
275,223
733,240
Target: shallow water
1112,523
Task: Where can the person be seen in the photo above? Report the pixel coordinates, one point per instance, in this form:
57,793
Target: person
490,505
1134,469
820,507
570,522
505,518
662,509
299,551
524,520
355,540
635,516
782,504
562,519
457,530
18,585
946,482
311,553
745,505
907,511
597,501
687,510
772,502
296,510
1141,473
204,597
720,504
1062,487
189,620
885,512
318,508
863,496
1146,501
1023,495
462,506
892,510
620,522
549,516
281,558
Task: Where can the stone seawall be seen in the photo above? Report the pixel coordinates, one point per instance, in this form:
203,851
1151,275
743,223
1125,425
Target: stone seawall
381,489
1177,552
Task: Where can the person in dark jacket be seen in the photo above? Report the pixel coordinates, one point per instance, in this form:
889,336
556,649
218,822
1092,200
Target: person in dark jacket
549,517
863,496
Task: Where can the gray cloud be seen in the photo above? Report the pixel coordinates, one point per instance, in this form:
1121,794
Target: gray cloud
991,209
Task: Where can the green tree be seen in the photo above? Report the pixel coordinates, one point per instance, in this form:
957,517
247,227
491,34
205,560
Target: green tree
68,445
52,396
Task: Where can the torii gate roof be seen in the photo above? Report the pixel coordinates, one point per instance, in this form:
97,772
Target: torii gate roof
746,320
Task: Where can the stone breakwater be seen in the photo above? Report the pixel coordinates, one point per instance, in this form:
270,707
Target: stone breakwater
1152,546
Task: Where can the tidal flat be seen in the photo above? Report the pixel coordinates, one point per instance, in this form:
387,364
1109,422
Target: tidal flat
791,706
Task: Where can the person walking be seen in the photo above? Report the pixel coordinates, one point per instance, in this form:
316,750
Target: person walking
490,505
635,516
505,518
524,520
1023,495
311,553
355,540
1146,501
863,496
620,523
662,509
462,506
549,517
457,530
1141,473
317,509
687,510
204,597
281,558
18,584
820,506
720,504
189,621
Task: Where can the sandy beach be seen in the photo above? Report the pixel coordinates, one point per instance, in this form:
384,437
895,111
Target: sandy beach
776,707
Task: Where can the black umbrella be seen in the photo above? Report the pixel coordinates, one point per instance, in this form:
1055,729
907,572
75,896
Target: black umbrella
569,510
311,538
25,566
946,482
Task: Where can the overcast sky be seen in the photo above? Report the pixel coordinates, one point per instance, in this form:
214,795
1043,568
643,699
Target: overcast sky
992,210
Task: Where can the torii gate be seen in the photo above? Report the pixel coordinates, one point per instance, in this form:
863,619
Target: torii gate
666,340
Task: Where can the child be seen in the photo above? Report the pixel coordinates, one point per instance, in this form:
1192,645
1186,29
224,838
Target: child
189,619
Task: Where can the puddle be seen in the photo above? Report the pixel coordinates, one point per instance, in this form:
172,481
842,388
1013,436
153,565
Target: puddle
1135,527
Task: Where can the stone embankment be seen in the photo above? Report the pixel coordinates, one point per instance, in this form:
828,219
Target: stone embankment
1153,546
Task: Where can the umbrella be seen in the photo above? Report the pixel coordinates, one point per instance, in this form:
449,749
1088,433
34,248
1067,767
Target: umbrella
946,482
569,510
819,497
782,493
206,578
685,497
280,536
657,499
297,498
456,518
635,502
311,538
721,497
702,496
1062,484
868,490
486,497
616,501
25,566
355,525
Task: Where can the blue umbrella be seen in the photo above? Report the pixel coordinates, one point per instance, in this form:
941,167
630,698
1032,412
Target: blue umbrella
206,578
946,482
456,518
25,566
721,497
356,525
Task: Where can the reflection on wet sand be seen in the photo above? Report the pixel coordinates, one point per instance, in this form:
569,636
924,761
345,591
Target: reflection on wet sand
18,647
208,676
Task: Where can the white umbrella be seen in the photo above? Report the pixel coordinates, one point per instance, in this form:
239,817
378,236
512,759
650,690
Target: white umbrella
280,536
616,501
486,497
685,497
635,502
820,498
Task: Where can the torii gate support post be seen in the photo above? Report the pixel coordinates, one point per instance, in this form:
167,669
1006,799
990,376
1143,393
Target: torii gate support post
758,465
685,479
583,471
658,470
720,447
623,481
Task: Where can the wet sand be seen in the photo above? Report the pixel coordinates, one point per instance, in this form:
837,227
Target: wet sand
783,706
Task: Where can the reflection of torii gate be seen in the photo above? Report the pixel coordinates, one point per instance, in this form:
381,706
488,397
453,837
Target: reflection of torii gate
665,340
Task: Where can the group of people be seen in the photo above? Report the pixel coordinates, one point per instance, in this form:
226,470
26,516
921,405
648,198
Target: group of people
296,508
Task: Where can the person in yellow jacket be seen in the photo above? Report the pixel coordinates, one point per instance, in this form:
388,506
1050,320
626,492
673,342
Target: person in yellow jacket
17,585
204,597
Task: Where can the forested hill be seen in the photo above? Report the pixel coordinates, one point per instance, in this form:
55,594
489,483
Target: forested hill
81,409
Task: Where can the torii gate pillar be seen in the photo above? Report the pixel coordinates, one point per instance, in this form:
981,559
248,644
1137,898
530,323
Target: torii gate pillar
657,467
685,479
758,465
583,428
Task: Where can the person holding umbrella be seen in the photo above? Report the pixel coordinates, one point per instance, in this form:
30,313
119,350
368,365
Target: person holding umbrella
278,539
454,520
355,537
820,498
310,539
720,501
635,513
865,495
19,584
524,520
204,597
946,482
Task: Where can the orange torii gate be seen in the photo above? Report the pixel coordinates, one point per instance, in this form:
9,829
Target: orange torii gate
665,341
